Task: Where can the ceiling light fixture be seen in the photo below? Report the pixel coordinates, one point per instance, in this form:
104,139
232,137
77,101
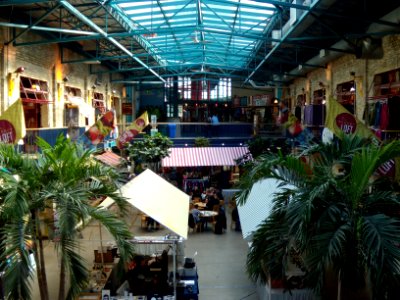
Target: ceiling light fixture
20,70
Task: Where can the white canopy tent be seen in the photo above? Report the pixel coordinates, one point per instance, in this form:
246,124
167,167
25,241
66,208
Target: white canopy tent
258,206
165,203
159,199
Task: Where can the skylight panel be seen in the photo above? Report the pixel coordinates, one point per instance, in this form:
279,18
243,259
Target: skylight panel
263,4
133,4
148,10
153,22
189,20
255,10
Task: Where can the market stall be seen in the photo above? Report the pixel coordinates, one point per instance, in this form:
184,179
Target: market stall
162,256
167,205
203,167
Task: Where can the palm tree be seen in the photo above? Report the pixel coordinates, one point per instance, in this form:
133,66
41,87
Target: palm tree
63,178
340,215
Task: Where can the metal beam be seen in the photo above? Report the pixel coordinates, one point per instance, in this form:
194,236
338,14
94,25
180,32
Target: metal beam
277,3
33,24
89,22
21,2
277,45
192,74
47,29
176,67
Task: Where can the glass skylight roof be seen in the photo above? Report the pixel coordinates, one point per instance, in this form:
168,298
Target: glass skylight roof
201,34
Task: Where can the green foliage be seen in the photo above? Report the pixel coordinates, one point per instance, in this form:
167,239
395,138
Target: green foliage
341,216
151,149
201,142
63,177
259,146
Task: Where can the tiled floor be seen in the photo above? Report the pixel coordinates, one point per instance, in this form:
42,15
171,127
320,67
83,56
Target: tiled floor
220,260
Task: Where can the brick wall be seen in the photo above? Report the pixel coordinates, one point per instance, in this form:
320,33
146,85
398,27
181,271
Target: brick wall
342,69
43,62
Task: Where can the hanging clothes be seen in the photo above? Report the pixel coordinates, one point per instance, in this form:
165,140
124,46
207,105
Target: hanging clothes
384,122
394,113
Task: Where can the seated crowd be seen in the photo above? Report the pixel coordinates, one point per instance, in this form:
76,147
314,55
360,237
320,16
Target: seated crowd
210,200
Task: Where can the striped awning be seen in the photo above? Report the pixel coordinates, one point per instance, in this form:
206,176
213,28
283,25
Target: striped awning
258,205
110,158
204,156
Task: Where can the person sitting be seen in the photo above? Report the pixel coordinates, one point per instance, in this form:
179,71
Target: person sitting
196,217
204,195
136,275
212,200
220,222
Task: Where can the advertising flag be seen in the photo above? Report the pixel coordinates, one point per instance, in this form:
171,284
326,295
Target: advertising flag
12,124
340,121
137,126
99,130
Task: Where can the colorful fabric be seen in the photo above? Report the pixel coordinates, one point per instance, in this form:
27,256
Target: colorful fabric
137,126
12,124
340,121
103,126
293,126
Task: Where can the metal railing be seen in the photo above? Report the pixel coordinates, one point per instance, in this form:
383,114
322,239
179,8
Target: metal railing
179,133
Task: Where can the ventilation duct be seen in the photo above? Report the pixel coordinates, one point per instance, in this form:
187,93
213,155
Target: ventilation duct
323,53
254,85
276,35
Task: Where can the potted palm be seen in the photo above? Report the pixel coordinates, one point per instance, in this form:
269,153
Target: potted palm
341,214
63,178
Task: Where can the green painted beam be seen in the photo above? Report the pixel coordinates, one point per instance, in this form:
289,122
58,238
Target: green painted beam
21,2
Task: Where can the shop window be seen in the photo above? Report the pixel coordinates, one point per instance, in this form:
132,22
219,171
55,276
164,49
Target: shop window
386,101
33,90
346,95
72,92
387,83
99,103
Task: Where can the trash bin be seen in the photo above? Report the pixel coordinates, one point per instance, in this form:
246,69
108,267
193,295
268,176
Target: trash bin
171,130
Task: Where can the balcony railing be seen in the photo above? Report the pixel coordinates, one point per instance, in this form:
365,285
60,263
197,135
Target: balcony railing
182,134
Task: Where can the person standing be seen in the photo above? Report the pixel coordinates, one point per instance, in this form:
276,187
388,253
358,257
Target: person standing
214,124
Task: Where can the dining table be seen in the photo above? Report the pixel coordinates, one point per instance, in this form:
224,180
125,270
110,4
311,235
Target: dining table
206,215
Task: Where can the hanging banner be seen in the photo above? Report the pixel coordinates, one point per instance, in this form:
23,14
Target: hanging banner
339,120
103,126
137,126
12,124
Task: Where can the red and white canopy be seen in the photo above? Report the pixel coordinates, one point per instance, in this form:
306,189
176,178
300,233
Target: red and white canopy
204,156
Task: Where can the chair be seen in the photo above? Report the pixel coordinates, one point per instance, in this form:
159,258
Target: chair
192,223
216,208
213,220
